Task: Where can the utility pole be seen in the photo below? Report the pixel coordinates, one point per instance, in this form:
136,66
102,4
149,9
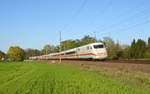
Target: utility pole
95,36
60,46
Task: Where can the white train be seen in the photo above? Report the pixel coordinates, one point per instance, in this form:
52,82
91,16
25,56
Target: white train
90,51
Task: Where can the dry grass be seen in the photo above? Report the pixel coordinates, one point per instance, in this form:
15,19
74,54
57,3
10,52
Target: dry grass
135,75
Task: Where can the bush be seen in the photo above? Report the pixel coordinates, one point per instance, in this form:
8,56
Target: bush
2,56
147,55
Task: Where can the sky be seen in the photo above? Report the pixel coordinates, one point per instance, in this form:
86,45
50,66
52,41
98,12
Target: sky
35,23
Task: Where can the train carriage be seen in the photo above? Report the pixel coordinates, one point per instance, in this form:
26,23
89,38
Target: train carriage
89,51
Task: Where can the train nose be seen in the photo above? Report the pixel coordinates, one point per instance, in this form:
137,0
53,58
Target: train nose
101,53
102,56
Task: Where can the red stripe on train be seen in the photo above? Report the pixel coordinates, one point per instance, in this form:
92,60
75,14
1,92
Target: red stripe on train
81,55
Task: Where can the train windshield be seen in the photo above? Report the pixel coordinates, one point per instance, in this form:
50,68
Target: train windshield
98,46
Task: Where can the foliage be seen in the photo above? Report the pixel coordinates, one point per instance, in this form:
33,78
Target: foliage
149,44
16,53
126,52
87,39
57,79
109,43
140,48
114,50
2,56
69,44
147,55
133,49
119,51
47,49
137,50
32,52
56,49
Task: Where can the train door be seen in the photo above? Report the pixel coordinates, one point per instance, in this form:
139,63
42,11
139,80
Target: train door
89,51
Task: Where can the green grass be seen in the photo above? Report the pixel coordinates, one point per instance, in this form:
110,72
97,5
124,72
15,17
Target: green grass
41,78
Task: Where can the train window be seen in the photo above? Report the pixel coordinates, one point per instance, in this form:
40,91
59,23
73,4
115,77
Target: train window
98,46
73,52
88,48
61,54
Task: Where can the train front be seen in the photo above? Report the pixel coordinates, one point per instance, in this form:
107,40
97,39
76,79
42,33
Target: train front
99,51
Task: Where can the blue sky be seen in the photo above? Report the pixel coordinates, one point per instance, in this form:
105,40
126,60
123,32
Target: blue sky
35,23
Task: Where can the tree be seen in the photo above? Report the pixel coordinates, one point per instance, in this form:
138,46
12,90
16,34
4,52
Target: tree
87,39
16,53
126,52
68,44
119,51
111,47
47,49
140,48
2,55
32,52
147,54
149,44
36,52
133,49
56,49
28,53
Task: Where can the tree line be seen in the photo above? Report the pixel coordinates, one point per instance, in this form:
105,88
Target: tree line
139,49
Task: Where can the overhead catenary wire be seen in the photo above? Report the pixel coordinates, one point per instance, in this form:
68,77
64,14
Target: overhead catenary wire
107,7
136,25
72,18
130,27
113,25
79,10
104,10
129,19
136,7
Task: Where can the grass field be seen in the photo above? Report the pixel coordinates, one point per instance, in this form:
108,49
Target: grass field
42,78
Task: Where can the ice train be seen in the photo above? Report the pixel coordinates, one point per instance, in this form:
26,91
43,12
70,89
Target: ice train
89,51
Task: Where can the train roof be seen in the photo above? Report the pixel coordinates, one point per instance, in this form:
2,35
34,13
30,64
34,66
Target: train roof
96,43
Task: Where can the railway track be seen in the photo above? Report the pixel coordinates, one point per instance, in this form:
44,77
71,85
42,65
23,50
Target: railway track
128,61
105,61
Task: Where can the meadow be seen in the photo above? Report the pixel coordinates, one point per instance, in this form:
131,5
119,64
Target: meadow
42,78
